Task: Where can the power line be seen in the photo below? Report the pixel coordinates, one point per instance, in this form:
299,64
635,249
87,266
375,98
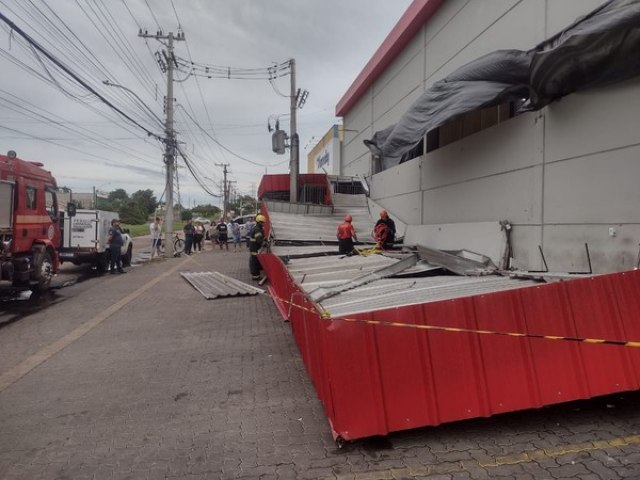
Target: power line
72,74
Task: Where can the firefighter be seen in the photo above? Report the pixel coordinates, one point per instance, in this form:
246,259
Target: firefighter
384,233
346,235
256,239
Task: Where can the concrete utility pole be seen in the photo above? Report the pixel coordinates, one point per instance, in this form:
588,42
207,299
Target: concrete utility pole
225,189
294,162
170,134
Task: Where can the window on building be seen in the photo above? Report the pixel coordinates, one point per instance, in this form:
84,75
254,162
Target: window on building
30,198
469,124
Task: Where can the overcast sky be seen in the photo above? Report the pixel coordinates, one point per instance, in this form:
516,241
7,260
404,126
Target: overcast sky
45,116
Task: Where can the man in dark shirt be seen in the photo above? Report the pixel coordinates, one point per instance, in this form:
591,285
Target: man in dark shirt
116,240
188,230
223,234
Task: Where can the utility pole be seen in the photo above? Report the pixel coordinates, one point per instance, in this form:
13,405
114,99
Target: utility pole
294,162
225,189
170,134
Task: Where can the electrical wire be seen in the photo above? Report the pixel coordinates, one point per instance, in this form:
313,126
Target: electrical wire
73,75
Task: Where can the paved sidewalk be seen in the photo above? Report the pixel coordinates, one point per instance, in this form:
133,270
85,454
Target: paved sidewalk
138,376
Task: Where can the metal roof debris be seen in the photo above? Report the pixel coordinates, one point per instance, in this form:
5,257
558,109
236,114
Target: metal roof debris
214,284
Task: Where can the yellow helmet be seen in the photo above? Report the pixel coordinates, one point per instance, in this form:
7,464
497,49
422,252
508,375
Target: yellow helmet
260,219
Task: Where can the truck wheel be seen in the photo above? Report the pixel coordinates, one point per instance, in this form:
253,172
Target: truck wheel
44,274
126,258
102,264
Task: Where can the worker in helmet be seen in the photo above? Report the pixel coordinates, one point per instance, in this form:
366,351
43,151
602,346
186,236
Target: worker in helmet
384,233
346,235
256,238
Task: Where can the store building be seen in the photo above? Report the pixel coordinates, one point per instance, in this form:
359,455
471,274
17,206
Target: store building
325,156
565,176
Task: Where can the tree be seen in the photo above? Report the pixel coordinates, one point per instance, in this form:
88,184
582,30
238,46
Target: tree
116,200
207,211
186,215
131,212
146,200
244,205
118,195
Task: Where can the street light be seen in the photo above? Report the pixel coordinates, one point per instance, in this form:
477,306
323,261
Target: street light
139,100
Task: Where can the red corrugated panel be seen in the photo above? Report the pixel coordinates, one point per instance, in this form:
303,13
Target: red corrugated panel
273,183
281,183
375,379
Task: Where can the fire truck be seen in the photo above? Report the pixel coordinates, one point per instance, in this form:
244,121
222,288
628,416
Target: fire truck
29,224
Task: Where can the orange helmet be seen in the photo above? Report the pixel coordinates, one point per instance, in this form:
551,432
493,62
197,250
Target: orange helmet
348,218
383,213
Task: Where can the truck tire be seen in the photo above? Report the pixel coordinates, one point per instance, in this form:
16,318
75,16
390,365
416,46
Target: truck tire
102,263
43,274
126,258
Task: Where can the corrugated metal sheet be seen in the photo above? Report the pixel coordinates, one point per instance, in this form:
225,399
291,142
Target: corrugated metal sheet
214,284
388,293
375,379
291,226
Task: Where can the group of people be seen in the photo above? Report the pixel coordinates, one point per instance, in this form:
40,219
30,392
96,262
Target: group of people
384,234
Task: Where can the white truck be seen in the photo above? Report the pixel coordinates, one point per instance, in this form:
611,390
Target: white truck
84,239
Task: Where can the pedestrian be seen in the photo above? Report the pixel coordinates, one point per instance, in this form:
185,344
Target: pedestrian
256,239
222,234
235,233
213,235
346,235
188,230
384,233
115,241
155,228
198,235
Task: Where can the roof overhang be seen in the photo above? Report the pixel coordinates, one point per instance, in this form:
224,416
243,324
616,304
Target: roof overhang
418,13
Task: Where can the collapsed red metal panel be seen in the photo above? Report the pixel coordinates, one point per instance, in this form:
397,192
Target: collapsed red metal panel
375,379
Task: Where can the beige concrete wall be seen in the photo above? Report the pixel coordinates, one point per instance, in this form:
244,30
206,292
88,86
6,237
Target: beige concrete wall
564,176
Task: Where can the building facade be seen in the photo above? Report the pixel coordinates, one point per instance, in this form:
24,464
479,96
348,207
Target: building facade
565,176
325,156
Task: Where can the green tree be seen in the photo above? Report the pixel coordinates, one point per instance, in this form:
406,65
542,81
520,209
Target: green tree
146,200
244,205
131,212
118,195
208,211
115,200
186,215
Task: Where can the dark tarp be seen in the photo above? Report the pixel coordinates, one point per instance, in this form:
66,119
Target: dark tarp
600,48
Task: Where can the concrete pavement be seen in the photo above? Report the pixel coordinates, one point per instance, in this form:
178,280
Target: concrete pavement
137,376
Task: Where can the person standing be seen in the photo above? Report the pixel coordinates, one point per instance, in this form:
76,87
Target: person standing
222,234
188,230
115,240
155,229
346,235
198,235
256,239
384,233
237,237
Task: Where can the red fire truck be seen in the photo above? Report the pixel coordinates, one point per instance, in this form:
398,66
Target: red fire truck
29,224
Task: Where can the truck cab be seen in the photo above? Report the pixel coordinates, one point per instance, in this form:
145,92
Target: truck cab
29,223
